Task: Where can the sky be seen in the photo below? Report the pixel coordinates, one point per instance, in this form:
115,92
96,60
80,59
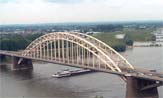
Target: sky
61,11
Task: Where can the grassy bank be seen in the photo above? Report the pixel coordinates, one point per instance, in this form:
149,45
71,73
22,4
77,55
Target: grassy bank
131,35
109,38
17,42
140,34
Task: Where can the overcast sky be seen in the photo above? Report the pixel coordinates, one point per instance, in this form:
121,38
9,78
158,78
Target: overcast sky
55,11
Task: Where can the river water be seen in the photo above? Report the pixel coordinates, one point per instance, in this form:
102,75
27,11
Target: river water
39,83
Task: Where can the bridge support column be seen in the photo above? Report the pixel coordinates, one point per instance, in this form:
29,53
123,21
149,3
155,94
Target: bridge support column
21,63
2,58
139,88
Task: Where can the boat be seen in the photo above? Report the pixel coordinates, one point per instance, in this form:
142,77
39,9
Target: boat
67,73
64,73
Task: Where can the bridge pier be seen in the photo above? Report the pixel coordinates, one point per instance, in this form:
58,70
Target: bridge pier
2,58
140,88
21,63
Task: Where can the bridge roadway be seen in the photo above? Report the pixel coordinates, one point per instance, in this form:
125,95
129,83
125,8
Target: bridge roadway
137,72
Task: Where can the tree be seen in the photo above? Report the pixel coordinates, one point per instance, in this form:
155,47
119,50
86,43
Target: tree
128,41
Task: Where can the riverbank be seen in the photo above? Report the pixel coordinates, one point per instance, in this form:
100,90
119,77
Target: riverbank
148,44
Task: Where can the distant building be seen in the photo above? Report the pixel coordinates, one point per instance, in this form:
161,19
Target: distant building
75,31
92,32
159,35
120,36
142,27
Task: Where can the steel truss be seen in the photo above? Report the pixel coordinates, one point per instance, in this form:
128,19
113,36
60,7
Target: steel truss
76,48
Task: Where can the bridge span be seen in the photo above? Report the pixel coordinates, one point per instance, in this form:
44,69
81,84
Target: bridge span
84,51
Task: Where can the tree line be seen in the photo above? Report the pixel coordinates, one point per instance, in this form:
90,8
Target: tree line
14,42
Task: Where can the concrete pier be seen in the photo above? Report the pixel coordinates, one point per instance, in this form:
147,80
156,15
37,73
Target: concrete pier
140,88
2,57
21,63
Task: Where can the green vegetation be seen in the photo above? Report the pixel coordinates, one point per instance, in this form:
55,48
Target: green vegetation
12,42
109,38
140,34
15,42
31,37
131,35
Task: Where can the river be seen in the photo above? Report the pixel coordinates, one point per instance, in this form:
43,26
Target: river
39,83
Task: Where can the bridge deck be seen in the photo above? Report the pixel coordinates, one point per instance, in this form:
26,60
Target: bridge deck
137,72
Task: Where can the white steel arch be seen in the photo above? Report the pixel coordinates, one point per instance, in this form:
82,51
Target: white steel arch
106,48
76,48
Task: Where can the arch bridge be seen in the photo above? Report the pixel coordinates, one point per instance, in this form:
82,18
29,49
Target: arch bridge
84,51
77,49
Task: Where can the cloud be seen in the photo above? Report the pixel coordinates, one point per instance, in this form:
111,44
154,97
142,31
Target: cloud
64,1
5,1
40,11
45,1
